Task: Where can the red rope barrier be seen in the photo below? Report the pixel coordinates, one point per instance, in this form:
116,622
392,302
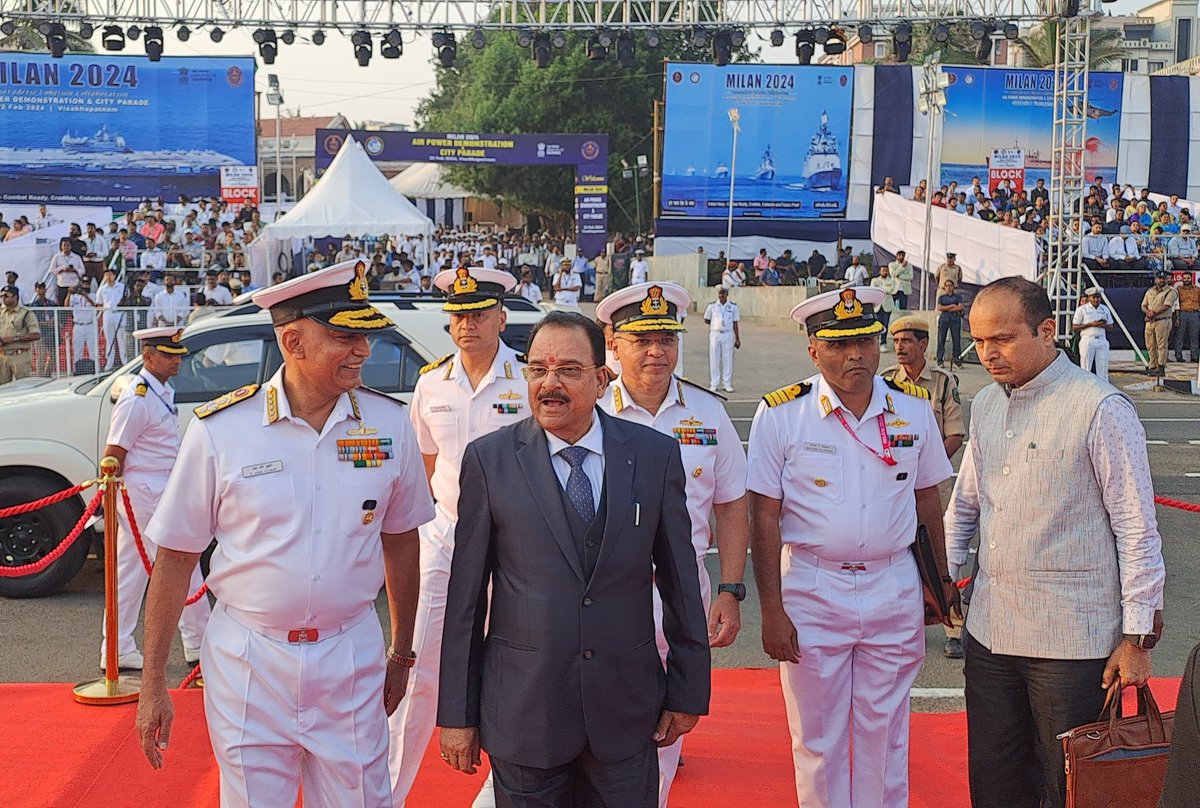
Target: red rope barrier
44,502
1175,503
57,553
191,678
141,547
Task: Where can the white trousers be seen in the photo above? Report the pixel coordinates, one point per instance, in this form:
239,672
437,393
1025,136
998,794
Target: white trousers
1094,349
411,726
84,335
668,756
116,329
281,714
720,358
862,642
132,576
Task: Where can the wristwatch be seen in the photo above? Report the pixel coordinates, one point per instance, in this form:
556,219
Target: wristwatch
405,660
1144,641
737,590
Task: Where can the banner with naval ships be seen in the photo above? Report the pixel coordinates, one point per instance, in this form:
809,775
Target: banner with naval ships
793,143
114,130
1007,110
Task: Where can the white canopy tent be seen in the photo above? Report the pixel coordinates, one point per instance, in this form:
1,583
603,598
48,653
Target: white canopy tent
427,186
351,197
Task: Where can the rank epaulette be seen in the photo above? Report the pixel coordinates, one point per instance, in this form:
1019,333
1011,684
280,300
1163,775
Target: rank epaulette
785,394
437,364
914,390
227,400
140,390
701,388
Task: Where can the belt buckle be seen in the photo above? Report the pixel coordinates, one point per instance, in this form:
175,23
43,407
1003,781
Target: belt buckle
853,566
302,635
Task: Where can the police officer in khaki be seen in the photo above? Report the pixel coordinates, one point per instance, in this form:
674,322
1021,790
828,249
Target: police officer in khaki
18,332
910,339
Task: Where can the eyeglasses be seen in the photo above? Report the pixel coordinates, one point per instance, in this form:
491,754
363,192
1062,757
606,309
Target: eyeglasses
646,343
564,373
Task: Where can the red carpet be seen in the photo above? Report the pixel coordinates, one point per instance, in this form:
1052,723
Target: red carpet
59,754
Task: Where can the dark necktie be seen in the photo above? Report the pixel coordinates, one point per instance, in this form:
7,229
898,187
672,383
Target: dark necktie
579,487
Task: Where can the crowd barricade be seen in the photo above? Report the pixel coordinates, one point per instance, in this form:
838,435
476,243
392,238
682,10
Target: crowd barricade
77,342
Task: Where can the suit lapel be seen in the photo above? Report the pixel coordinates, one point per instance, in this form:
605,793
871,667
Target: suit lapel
619,467
533,456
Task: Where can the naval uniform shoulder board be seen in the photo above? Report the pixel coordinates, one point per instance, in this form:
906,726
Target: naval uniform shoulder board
225,401
141,389
911,389
889,372
786,394
381,394
437,364
701,388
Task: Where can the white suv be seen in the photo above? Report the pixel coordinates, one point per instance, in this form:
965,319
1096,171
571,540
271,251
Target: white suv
52,431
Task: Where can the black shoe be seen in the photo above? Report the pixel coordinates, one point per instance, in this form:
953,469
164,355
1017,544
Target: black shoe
1178,357
953,648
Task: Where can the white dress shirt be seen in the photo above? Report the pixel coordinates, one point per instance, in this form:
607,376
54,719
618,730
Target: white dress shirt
110,297
145,425
1087,313
639,271
593,464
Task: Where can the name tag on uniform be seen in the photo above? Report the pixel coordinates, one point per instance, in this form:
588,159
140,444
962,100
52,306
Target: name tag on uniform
819,447
259,469
440,408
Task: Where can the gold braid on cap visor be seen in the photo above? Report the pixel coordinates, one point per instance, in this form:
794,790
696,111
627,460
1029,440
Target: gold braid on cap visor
173,350
862,331
474,305
655,324
360,318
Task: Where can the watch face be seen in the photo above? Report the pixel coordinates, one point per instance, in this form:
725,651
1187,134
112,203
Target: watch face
1149,641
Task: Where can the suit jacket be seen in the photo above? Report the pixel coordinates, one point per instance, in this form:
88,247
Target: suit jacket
569,663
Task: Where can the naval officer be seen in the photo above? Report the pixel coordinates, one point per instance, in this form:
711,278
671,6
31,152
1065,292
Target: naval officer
143,435
464,395
313,488
646,326
843,465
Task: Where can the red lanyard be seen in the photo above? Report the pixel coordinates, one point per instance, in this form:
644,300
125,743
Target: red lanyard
886,455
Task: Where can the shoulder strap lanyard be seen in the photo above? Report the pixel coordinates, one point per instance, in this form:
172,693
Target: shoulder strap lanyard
169,407
886,454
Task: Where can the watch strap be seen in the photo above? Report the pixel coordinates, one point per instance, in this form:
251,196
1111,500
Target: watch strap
405,660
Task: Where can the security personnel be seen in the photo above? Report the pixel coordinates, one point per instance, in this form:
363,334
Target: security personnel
842,466
18,331
460,397
910,338
646,328
723,337
143,435
313,488
1092,321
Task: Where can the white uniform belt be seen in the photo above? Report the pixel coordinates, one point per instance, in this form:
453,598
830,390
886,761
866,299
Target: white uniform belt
851,565
300,634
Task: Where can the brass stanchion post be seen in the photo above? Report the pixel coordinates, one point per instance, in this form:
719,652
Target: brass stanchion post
112,688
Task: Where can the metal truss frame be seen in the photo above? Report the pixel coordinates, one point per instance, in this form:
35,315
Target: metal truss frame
513,14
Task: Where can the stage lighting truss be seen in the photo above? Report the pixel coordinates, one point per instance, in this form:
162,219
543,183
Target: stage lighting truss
540,50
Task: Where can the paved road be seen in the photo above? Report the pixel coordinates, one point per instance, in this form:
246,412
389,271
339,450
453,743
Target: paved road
57,639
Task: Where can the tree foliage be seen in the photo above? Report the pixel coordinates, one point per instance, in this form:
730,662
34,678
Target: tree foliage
27,37
1104,49
501,89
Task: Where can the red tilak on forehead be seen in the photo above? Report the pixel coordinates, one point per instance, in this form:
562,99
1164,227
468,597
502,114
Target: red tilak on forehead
552,359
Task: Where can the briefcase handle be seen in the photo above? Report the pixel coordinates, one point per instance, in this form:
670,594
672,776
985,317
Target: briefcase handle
1146,705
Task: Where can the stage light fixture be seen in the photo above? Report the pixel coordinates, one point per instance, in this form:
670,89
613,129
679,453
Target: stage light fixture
153,42
1011,31
447,52
941,32
112,38
978,30
1071,9
737,37
902,50
478,40
133,32
722,48
866,34
699,37
820,34
558,39
653,38
7,28
260,36
836,43
804,51
524,38
595,51
605,37
318,37
268,44
626,50
184,33
216,34
288,37
776,38
804,35
361,40
56,39
393,37
392,45
86,30
903,33
983,53
540,50
43,28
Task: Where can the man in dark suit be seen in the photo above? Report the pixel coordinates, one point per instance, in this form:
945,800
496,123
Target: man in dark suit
575,517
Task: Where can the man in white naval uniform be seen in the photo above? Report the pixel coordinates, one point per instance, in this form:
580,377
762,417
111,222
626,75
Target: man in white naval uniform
639,268
842,467
313,488
1093,321
646,325
143,434
723,337
460,397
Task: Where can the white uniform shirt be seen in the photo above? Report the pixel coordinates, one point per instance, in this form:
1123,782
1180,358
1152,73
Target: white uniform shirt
173,307
639,271
1087,313
840,502
488,262
218,294
447,415
154,260
567,278
97,245
83,312
708,444
722,316
857,275
145,425
530,292
109,297
297,527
